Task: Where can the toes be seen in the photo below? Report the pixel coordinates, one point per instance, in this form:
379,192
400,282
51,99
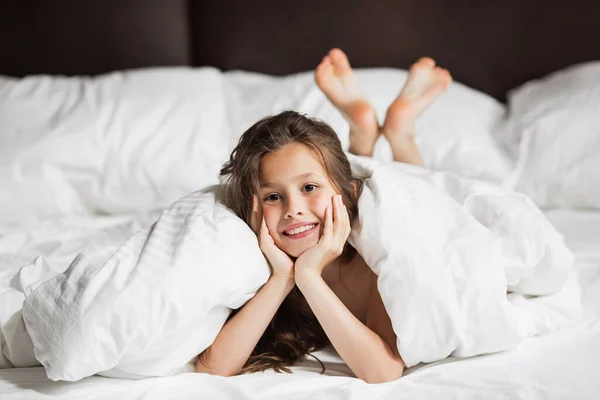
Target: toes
447,76
340,60
325,60
428,61
338,55
324,71
423,64
443,75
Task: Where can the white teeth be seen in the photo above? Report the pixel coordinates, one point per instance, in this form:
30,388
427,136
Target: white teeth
300,229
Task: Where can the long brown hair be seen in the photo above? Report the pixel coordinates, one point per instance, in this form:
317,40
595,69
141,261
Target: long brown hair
294,331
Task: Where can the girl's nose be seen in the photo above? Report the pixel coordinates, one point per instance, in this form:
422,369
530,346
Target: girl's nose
295,206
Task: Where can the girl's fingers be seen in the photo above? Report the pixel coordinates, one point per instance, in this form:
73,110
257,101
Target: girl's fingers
347,220
263,228
328,230
336,214
339,210
341,218
337,224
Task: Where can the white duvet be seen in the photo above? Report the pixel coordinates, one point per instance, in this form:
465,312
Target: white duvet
446,250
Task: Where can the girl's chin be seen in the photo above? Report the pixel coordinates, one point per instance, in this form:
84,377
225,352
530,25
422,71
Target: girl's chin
296,251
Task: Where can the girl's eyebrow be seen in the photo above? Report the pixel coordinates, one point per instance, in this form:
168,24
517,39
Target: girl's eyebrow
296,178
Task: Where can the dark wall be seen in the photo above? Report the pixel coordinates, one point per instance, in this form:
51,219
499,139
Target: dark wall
91,37
490,45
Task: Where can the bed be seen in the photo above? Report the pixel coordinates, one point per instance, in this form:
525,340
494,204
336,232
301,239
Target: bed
559,365
153,55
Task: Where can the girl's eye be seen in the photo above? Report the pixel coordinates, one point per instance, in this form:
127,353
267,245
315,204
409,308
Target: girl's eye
272,197
310,187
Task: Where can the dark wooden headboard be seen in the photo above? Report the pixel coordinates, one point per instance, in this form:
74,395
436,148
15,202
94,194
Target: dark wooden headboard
490,45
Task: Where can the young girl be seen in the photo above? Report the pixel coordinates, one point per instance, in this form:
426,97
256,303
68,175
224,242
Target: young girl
290,180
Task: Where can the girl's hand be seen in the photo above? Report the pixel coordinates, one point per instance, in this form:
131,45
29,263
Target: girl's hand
281,264
330,246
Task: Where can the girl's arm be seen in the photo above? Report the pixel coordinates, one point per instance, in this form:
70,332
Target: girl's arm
238,337
370,351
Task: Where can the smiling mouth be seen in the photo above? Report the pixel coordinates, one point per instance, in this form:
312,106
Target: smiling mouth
301,231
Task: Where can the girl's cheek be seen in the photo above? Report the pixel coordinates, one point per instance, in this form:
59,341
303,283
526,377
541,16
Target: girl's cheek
324,202
271,219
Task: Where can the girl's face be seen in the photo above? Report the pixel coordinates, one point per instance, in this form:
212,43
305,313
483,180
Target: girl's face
295,192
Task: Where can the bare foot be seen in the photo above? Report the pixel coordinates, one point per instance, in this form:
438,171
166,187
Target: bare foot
335,78
424,84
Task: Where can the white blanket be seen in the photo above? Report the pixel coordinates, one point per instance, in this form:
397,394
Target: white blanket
148,305
446,250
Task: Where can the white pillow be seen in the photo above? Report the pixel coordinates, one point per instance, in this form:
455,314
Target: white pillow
33,110
139,140
119,142
554,126
148,306
454,134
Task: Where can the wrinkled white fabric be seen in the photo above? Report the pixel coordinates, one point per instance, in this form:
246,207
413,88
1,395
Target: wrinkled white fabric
553,130
447,249
116,143
147,306
141,139
526,372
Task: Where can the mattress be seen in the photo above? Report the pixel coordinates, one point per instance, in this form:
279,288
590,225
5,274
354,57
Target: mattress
556,366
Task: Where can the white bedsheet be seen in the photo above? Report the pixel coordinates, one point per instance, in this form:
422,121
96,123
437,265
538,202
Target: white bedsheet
556,366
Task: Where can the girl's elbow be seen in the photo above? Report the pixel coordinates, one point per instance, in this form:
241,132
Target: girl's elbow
393,376
386,376
204,368
201,368
212,371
